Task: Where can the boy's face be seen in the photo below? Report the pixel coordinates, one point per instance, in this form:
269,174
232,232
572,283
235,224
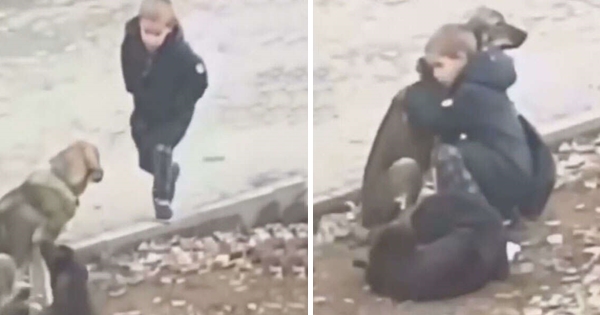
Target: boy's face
153,33
446,69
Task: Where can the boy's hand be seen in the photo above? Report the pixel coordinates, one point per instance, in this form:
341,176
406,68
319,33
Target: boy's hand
425,94
425,70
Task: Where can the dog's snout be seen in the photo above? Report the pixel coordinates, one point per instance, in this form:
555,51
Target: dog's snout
520,36
97,175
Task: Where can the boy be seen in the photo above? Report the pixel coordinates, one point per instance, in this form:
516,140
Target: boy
468,108
166,79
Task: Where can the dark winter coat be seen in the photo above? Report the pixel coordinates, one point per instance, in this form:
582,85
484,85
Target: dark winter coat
483,123
166,85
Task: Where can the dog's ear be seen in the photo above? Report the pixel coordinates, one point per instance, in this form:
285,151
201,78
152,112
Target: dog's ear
92,161
78,164
64,254
506,36
60,164
56,257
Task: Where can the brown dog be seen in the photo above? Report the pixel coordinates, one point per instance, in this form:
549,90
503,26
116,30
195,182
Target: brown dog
40,207
396,139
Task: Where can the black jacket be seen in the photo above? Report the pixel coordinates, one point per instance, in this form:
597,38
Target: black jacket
480,109
166,85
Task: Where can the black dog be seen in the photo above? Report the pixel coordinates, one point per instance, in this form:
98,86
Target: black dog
68,279
457,245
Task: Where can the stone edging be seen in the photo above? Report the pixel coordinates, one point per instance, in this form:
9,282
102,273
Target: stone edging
283,201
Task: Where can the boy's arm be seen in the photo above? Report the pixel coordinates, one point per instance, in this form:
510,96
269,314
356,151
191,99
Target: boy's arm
125,65
425,110
193,84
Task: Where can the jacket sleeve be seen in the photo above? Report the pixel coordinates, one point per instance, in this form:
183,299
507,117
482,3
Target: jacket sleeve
425,110
126,65
193,84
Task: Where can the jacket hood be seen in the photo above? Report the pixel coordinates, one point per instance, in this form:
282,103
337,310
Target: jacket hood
132,28
492,68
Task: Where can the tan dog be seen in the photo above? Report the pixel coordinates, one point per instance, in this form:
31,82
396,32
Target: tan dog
40,207
397,139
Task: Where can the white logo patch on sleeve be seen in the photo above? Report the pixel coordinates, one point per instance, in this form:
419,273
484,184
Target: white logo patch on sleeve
200,68
447,102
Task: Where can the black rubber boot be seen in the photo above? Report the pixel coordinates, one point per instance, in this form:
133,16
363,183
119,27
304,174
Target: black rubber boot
174,175
161,189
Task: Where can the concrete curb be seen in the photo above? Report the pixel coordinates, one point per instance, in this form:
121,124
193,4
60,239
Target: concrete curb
283,201
553,133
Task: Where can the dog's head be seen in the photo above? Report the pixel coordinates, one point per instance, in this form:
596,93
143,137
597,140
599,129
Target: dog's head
389,246
68,280
77,165
492,30
394,238
62,263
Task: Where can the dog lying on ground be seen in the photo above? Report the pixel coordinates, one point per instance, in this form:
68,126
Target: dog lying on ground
39,208
68,280
457,245
397,139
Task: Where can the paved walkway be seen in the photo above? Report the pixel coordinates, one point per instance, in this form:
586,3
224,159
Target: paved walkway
60,80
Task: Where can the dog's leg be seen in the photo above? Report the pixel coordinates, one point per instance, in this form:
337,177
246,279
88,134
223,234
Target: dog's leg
406,179
39,278
8,274
38,273
68,226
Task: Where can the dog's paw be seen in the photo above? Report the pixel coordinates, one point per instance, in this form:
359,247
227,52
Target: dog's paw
38,235
36,306
68,226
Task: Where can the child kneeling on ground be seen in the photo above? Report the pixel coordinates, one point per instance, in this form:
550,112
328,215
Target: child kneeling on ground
470,109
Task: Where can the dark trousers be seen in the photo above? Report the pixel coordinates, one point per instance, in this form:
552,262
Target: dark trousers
148,136
469,166
451,174
155,144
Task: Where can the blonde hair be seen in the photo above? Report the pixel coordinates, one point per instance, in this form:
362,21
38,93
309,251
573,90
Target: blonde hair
158,10
452,39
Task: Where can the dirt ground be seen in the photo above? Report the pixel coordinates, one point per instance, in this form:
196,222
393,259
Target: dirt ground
546,279
261,271
216,293
60,80
365,51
